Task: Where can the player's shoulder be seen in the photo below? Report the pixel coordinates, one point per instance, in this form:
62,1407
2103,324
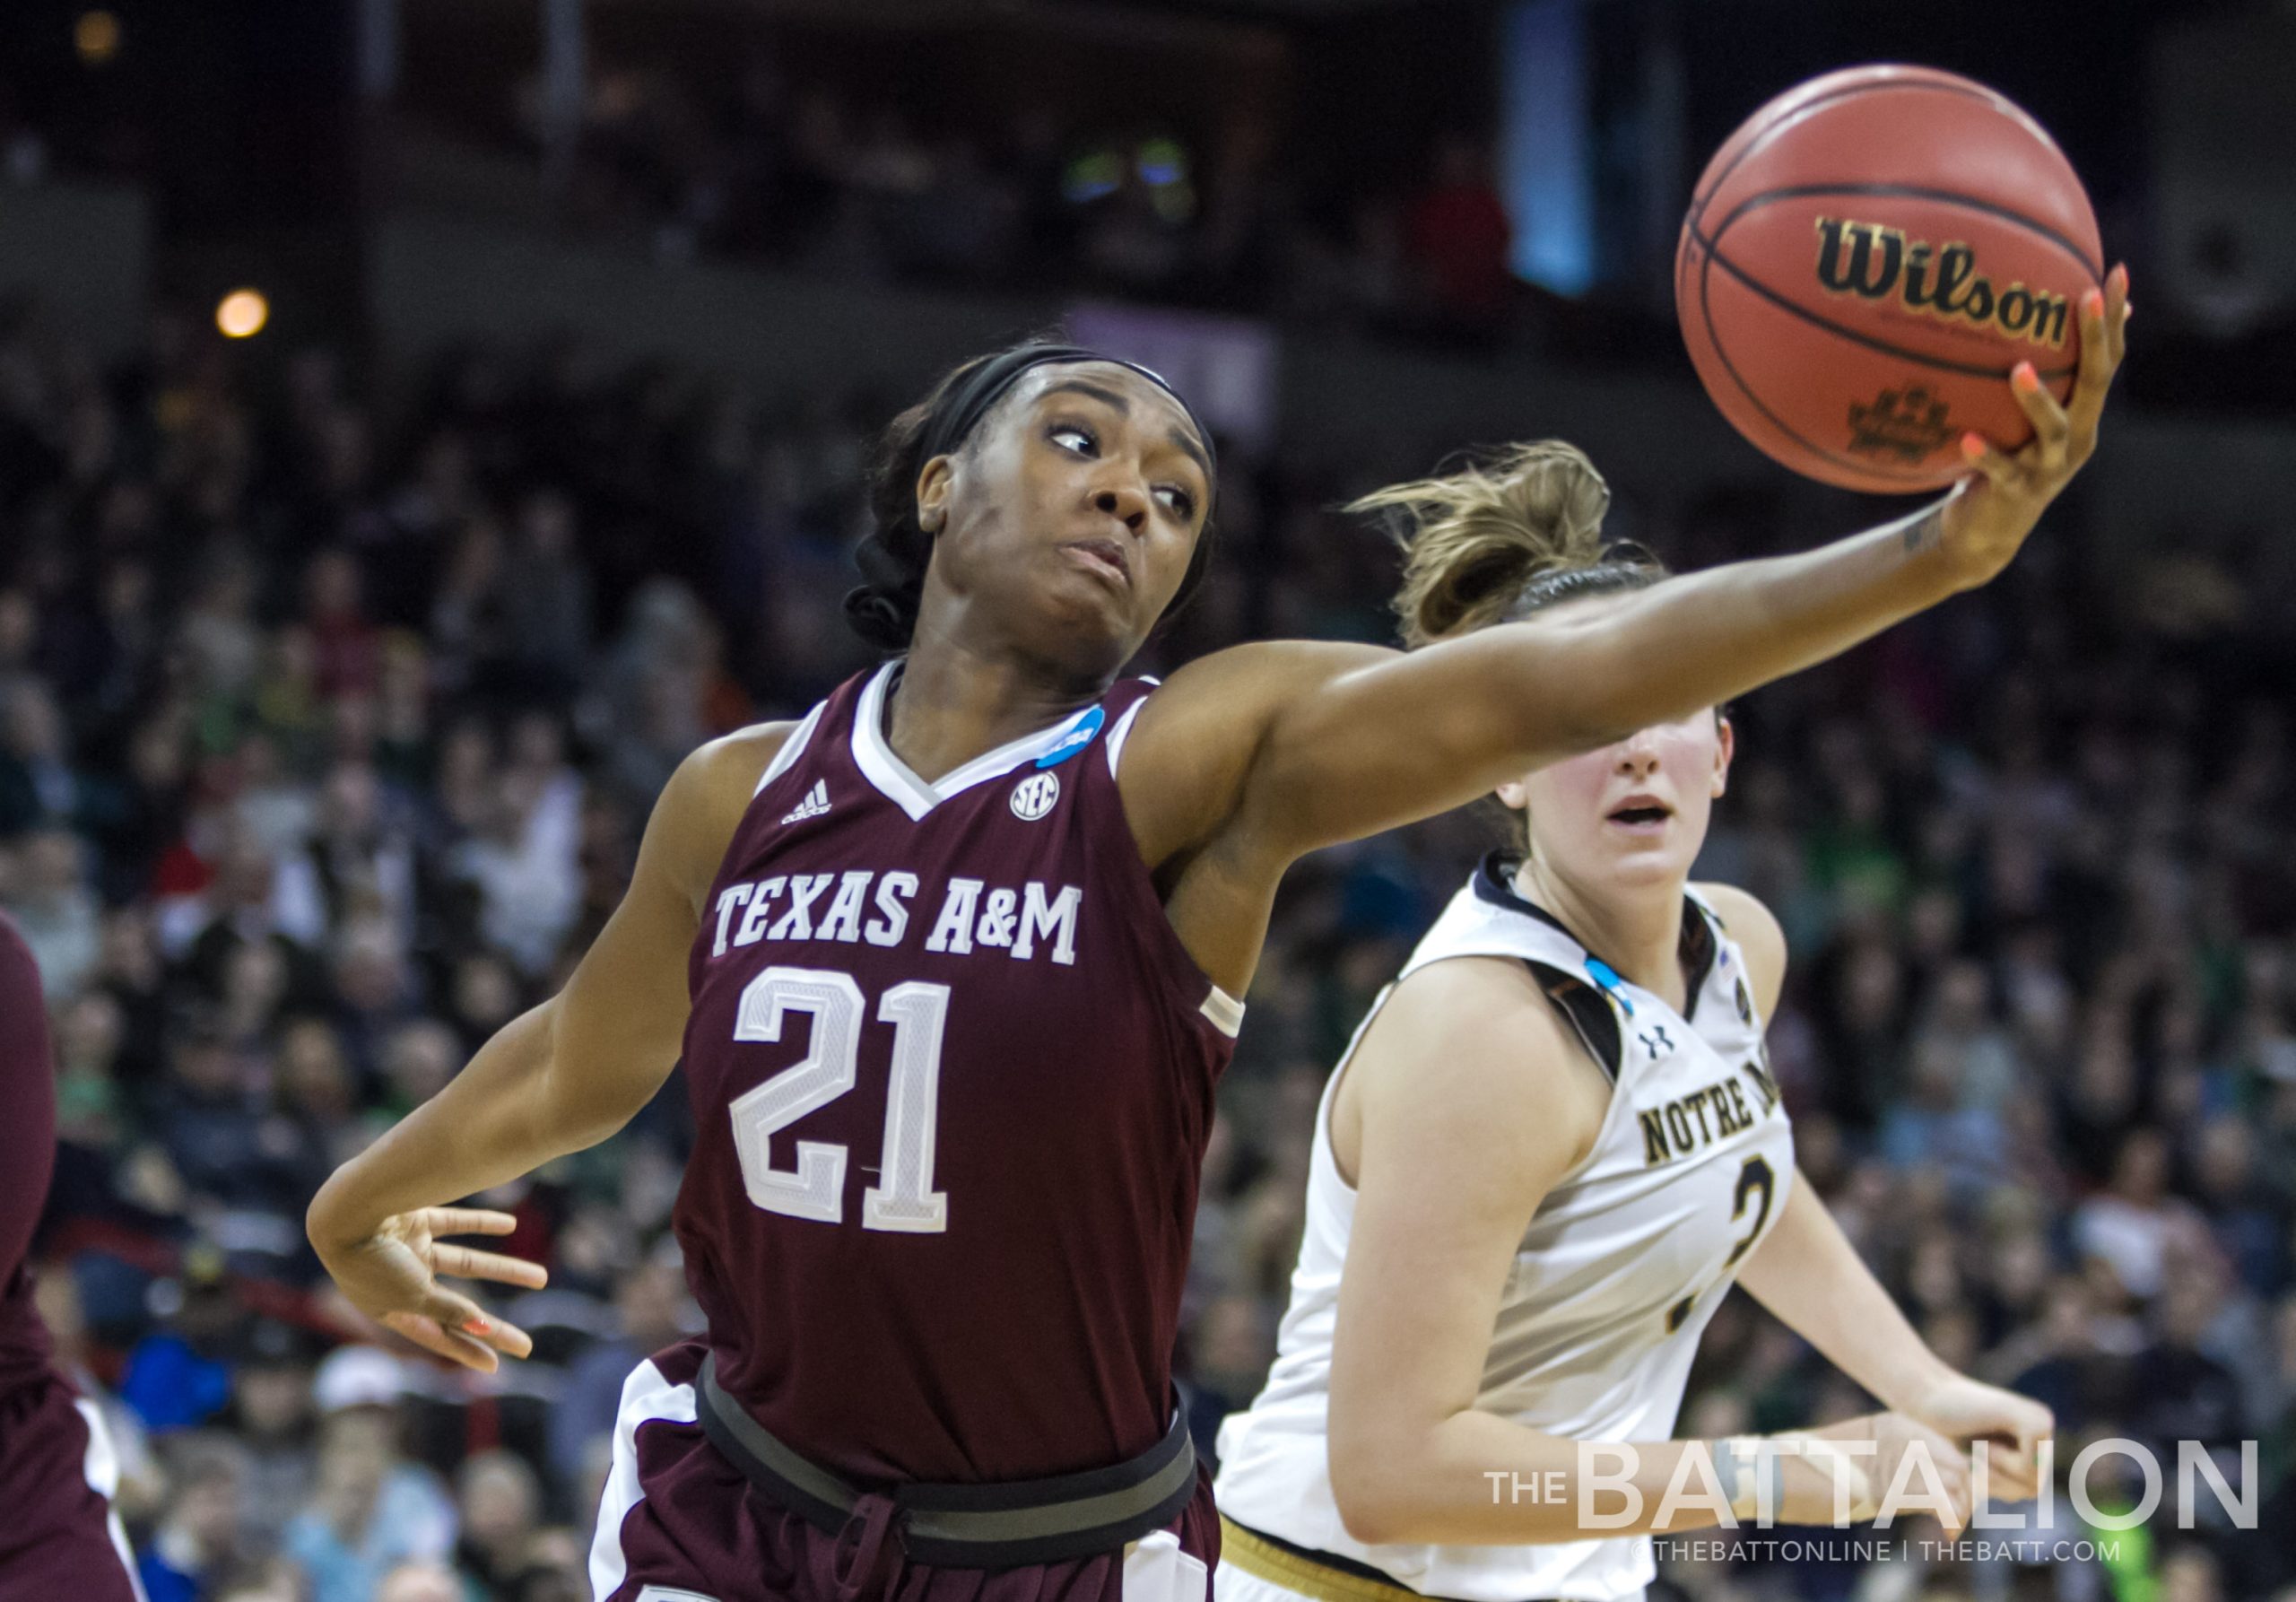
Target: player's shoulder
738,761
1267,671
701,807
1740,911
1189,752
1756,929
1461,991
1210,715
1473,1042
1476,1013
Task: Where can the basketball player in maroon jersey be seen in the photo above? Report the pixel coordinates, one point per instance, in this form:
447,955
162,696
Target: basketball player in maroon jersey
58,1535
953,966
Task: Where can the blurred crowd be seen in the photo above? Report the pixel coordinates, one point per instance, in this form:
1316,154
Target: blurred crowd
863,188
329,716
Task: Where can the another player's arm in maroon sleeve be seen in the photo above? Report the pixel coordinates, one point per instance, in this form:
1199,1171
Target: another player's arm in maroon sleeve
558,1079
1257,755
27,1101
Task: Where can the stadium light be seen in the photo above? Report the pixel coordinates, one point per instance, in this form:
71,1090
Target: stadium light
96,36
242,313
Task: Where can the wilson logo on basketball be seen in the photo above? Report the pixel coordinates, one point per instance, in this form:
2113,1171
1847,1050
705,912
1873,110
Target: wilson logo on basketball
1877,264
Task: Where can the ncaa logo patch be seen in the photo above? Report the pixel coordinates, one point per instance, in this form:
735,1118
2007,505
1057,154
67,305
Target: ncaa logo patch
1075,740
1034,795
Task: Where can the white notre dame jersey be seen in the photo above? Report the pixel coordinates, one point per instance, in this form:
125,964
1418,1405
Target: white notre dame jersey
1617,1274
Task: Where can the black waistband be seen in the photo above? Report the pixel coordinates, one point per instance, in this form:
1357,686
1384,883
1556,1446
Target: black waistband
998,1525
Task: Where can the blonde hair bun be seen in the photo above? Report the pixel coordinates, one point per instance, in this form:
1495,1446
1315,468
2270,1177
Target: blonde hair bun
1476,537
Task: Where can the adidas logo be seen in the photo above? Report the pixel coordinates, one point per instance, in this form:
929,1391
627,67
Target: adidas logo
816,802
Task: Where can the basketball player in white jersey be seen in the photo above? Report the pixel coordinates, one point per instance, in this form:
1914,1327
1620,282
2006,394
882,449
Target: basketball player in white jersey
1552,1147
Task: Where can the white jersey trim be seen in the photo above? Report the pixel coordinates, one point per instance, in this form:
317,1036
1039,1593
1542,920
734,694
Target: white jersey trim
99,1467
1123,730
1226,1013
791,749
900,784
647,1396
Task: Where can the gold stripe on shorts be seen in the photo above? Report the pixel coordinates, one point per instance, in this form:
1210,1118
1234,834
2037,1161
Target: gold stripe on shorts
1262,1559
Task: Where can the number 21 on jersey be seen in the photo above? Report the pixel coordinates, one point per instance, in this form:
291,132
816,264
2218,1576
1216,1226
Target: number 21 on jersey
903,1199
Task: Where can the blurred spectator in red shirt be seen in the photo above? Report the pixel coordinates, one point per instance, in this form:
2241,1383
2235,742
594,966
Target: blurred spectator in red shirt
1459,237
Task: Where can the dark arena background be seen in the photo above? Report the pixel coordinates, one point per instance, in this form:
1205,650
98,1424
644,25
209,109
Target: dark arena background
423,422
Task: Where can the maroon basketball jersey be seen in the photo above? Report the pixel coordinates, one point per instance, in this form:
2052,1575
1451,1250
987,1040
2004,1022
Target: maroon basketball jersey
953,1073
28,1125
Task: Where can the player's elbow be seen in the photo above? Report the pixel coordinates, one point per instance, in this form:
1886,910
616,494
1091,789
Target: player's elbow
1370,1483
325,1222
1366,1511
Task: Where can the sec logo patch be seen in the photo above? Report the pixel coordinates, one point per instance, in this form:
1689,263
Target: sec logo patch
1033,796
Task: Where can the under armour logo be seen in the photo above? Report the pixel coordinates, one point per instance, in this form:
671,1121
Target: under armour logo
1657,1042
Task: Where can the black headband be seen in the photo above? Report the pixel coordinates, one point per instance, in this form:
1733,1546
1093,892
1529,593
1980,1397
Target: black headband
961,409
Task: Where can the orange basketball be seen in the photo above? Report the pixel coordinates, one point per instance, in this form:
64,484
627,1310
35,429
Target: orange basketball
1866,259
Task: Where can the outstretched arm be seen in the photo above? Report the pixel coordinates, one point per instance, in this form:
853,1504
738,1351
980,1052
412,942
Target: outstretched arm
558,1079
1338,743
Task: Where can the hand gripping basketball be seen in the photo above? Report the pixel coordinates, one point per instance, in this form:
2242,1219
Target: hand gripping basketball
1866,259
1984,522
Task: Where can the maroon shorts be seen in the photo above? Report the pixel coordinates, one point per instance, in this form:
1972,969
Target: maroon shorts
680,1524
58,1535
